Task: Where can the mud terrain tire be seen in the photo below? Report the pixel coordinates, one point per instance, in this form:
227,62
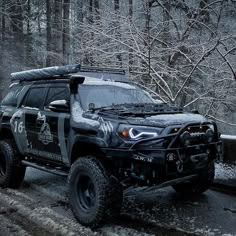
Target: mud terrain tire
199,185
89,191
12,173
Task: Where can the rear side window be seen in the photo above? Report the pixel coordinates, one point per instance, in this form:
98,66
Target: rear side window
57,93
34,98
11,98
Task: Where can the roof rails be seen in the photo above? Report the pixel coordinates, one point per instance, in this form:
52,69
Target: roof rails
101,69
56,71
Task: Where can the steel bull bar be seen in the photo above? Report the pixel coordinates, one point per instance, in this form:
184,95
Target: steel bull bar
173,150
177,134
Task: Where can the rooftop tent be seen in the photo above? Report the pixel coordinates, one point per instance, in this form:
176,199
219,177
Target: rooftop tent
45,72
48,72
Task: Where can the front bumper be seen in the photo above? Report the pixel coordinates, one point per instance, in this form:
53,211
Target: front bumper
156,160
162,156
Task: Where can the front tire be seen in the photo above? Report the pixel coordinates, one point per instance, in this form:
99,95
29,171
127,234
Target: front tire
12,173
89,191
199,185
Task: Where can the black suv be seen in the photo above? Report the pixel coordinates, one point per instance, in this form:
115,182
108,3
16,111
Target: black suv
106,135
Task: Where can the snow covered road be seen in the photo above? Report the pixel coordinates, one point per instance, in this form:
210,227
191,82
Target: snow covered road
40,207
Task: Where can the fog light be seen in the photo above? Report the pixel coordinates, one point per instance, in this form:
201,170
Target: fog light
186,138
171,157
209,135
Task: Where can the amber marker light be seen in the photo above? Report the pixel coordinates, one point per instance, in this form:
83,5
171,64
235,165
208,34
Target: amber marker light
125,133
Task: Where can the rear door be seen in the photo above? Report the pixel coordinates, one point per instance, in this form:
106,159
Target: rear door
31,107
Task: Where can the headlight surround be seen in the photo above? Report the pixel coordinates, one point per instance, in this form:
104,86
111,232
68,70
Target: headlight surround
130,132
209,135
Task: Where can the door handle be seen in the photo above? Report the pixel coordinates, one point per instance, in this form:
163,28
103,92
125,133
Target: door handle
16,118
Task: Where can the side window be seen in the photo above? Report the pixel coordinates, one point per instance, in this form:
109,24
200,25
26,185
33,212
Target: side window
57,93
11,98
34,98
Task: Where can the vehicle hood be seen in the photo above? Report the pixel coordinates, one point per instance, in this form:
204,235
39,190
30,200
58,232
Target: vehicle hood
176,119
152,115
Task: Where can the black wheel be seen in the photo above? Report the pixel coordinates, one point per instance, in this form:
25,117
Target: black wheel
89,191
199,185
12,173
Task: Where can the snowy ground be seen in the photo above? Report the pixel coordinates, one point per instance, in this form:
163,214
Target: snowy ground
40,208
225,173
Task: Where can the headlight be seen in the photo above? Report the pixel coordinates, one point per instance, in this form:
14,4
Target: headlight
209,135
138,132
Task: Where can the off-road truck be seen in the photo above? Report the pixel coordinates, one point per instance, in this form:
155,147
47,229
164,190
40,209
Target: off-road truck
105,133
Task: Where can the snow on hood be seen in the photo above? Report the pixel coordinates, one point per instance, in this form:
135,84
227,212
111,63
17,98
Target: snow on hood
169,119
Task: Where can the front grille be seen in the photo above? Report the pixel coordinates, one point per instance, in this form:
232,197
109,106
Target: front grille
192,129
194,135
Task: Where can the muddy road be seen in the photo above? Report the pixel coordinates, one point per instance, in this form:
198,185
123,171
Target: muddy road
40,208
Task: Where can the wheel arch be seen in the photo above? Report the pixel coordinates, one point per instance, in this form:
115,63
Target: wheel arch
81,149
6,133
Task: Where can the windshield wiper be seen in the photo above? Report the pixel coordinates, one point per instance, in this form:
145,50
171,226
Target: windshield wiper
109,108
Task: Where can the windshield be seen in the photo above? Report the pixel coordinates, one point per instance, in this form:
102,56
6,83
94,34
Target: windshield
108,95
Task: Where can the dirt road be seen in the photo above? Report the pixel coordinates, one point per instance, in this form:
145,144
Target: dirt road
40,207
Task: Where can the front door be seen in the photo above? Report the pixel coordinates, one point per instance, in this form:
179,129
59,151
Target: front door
54,132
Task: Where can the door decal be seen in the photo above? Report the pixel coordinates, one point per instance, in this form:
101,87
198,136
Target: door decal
45,135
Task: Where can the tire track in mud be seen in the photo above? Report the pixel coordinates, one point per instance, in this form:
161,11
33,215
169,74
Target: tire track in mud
38,211
37,219
41,208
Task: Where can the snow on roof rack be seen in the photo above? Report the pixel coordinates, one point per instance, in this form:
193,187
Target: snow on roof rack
102,69
49,72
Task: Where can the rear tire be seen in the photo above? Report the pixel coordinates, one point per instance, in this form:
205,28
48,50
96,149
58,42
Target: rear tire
199,185
12,173
90,191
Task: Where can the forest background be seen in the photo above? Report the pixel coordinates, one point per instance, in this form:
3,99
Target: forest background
182,51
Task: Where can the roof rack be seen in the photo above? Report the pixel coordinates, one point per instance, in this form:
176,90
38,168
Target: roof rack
102,69
57,71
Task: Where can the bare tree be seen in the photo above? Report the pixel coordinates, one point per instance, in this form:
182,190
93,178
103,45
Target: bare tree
66,31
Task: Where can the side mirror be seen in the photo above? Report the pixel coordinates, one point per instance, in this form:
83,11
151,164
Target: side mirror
59,106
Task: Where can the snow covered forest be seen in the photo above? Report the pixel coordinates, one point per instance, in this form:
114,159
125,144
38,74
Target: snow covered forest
183,51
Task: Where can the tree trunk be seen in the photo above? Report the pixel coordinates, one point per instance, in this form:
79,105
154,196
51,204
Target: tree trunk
117,29
130,50
58,32
29,59
117,5
16,15
131,9
66,31
78,32
49,33
97,11
3,22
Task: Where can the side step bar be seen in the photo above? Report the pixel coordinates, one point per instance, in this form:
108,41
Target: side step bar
46,169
